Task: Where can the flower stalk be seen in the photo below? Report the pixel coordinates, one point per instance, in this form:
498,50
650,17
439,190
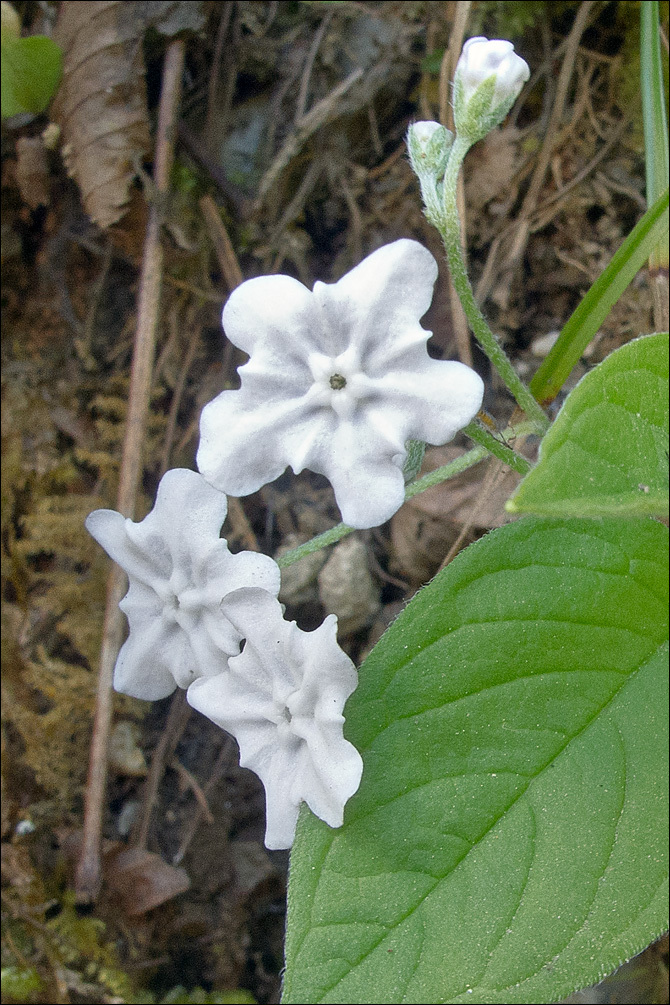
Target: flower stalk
489,444
449,228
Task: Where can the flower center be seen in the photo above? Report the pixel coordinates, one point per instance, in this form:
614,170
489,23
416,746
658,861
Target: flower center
337,382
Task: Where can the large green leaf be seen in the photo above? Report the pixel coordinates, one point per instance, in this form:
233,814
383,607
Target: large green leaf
507,843
607,452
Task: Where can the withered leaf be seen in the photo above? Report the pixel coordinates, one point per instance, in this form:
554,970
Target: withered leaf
101,105
140,880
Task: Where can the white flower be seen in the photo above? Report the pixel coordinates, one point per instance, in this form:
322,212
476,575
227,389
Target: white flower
282,699
488,79
179,570
338,381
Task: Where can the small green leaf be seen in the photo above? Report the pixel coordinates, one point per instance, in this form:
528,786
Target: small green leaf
508,841
607,452
31,70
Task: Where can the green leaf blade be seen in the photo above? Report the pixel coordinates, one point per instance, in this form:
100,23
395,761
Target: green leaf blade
606,454
511,804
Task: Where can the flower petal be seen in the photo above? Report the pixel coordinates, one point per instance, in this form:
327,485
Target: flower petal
380,299
145,667
274,313
246,443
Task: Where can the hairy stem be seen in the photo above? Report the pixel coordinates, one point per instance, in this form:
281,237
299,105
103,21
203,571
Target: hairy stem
449,228
450,470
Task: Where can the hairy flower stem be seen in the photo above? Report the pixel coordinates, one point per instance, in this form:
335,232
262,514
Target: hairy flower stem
496,447
449,227
450,470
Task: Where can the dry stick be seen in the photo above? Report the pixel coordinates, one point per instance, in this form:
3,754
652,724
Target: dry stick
196,819
539,217
317,116
193,341
212,110
232,273
188,780
223,246
174,727
567,66
447,68
88,877
301,103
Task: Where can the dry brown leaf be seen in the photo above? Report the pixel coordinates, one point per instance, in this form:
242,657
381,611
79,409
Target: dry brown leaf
101,104
32,171
141,880
491,171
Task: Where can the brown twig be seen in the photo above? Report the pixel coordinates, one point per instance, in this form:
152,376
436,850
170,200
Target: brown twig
89,868
317,116
174,727
193,335
212,89
196,819
301,103
188,779
550,138
242,529
223,246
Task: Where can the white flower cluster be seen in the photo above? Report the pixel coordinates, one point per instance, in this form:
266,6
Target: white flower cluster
190,606
338,381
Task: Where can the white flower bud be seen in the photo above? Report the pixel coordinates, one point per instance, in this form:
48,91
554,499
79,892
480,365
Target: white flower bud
428,144
488,80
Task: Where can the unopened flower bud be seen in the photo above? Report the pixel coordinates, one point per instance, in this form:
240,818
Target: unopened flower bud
488,80
428,144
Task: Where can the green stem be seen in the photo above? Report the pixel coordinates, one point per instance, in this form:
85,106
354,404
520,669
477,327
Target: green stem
499,449
450,470
449,227
320,541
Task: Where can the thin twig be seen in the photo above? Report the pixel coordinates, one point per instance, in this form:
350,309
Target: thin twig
549,143
175,725
459,15
89,868
212,110
193,335
223,246
189,779
316,117
196,819
239,521
301,103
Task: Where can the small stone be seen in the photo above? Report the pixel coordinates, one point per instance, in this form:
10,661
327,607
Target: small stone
346,587
125,755
298,581
541,346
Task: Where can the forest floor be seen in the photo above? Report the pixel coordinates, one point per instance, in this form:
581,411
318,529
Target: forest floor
291,142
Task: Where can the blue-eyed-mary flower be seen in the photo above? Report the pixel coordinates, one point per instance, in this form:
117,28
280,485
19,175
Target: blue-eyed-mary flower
488,80
282,699
338,381
179,570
